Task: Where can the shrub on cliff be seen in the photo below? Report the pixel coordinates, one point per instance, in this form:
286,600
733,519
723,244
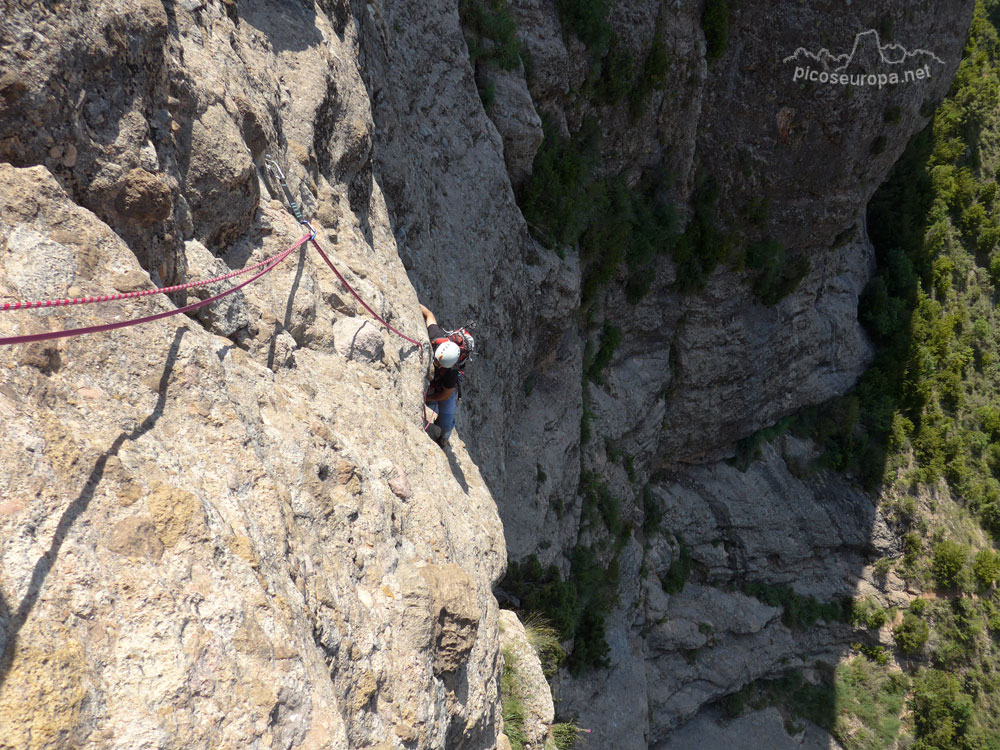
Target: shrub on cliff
617,73
588,19
576,607
941,712
703,245
566,203
911,634
511,701
948,563
715,22
611,337
776,275
491,33
986,568
557,198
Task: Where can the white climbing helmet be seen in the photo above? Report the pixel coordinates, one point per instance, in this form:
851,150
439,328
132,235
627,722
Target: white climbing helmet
447,354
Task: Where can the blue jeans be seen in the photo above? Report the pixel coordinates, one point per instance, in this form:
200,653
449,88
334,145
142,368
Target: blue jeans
446,414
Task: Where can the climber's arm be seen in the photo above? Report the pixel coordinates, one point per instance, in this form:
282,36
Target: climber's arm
429,318
442,396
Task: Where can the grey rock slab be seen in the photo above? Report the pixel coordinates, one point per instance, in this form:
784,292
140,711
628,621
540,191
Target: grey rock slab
520,127
227,546
40,268
229,314
358,339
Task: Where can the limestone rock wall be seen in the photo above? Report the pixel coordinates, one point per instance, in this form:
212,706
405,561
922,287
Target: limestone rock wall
673,654
230,530
465,245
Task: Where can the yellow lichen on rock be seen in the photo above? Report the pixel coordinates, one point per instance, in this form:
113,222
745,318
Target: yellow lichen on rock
61,451
365,689
175,512
41,694
241,546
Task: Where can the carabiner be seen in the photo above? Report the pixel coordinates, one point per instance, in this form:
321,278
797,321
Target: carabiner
310,228
273,167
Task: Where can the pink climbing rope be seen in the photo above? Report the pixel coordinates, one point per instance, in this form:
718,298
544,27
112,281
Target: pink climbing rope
266,265
363,303
134,295
272,263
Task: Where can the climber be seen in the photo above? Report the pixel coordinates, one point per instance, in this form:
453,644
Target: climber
450,350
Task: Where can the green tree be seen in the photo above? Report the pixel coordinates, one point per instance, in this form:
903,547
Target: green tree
715,22
986,567
941,711
911,634
948,563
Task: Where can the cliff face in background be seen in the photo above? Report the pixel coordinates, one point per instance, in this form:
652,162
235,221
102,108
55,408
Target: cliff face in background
231,531
696,372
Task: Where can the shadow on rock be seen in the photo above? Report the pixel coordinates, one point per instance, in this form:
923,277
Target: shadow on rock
456,468
289,26
15,620
287,322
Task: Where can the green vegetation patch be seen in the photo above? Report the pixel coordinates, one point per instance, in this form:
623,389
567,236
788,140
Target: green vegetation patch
715,22
576,607
943,712
630,225
544,639
986,568
588,19
949,563
565,735
611,337
491,33
911,634
703,245
557,199
601,506
680,569
617,74
799,611
567,203
870,698
652,513
512,701
860,702
774,275
623,80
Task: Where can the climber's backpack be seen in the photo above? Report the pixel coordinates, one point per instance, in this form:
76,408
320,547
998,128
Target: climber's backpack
463,339
466,344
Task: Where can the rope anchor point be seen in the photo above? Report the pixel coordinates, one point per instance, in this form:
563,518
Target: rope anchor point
272,166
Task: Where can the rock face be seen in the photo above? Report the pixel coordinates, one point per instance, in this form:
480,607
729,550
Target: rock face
519,125
230,530
465,244
697,371
226,531
199,548
685,650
